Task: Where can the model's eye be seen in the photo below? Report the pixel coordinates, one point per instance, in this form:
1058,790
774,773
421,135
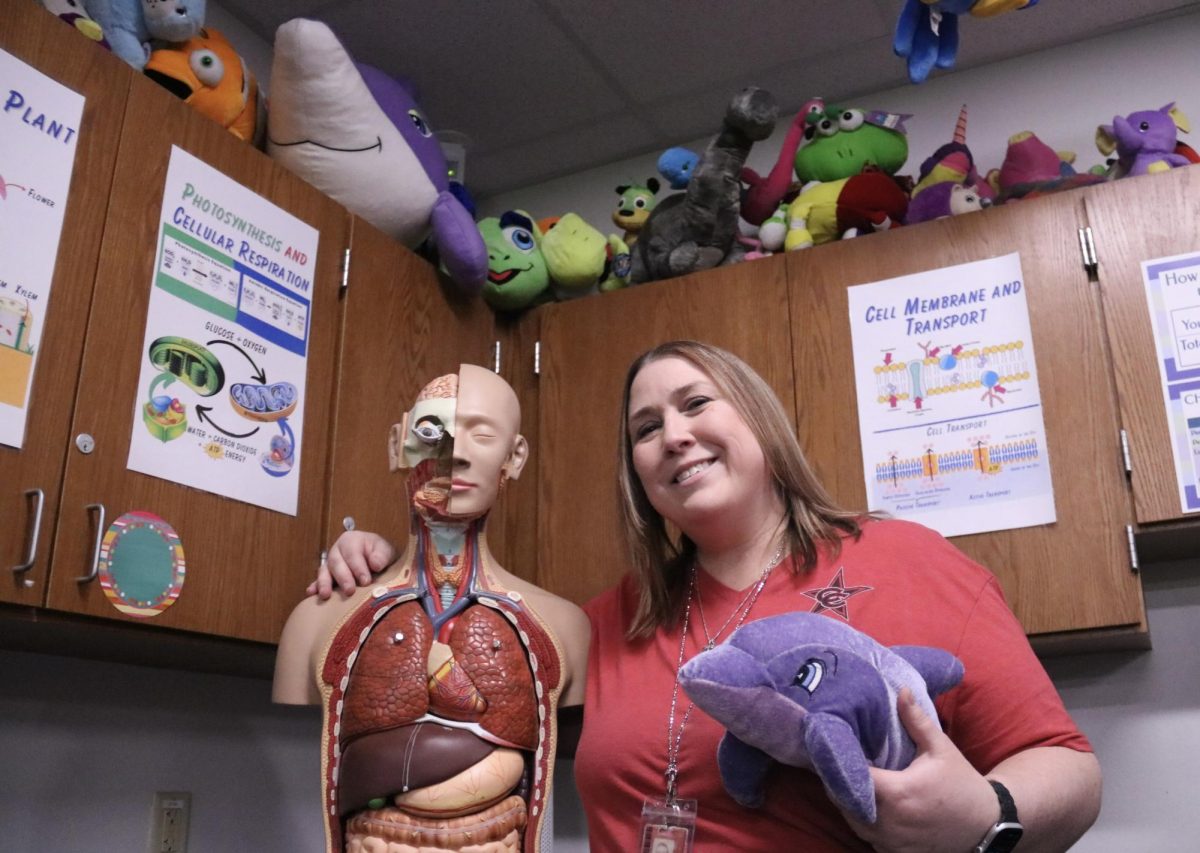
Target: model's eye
419,123
809,676
520,238
207,66
850,120
429,430
825,127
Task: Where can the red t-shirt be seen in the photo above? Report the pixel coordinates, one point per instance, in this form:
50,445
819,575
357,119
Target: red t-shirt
901,583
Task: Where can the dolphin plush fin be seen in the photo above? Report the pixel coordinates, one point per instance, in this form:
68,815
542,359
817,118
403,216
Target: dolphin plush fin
743,770
837,757
940,669
459,244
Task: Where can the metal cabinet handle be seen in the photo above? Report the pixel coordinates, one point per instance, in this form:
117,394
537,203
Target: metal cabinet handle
31,554
91,576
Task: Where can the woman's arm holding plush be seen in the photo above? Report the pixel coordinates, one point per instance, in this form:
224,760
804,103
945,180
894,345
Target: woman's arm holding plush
941,803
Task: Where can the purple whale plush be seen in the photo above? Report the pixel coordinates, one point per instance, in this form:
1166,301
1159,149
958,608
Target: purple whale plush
806,691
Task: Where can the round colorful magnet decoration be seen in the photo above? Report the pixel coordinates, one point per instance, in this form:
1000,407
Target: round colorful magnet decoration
141,564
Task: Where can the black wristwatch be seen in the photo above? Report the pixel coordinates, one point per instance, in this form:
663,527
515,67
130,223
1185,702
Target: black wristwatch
1007,831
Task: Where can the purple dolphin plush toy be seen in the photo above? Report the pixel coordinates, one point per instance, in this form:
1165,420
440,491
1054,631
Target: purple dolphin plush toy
806,691
356,134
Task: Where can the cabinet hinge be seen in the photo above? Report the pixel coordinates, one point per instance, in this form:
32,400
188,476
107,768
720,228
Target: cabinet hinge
495,356
537,358
1133,557
345,272
1125,453
1087,249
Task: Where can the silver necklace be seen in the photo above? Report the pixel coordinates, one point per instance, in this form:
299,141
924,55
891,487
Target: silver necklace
674,739
711,640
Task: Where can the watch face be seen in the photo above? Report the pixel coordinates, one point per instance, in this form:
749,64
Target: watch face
1005,839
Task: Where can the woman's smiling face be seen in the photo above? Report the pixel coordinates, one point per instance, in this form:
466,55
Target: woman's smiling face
697,459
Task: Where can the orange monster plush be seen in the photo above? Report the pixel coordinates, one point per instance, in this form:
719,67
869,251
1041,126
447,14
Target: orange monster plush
207,73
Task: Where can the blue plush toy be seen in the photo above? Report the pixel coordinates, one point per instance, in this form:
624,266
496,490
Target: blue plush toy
676,165
130,24
808,691
927,30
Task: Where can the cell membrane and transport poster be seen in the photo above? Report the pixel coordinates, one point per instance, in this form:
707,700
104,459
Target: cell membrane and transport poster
949,412
1173,298
39,131
225,355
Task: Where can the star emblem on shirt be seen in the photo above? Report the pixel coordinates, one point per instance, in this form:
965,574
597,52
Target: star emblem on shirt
835,596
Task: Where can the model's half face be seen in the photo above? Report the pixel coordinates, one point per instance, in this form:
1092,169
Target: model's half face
459,442
485,438
696,458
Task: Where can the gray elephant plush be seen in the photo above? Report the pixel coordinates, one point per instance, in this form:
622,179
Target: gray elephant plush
697,229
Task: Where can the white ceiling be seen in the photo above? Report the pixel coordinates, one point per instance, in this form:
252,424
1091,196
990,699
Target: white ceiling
546,88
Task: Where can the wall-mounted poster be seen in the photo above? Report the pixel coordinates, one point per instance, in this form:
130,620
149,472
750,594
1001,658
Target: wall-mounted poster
1173,298
949,411
39,123
225,354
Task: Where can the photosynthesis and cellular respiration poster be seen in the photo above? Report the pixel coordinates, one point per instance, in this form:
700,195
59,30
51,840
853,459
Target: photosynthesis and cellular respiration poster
225,354
39,132
949,411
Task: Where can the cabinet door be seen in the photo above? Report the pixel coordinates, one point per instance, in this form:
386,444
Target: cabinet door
1135,220
58,51
587,347
400,330
245,564
1070,575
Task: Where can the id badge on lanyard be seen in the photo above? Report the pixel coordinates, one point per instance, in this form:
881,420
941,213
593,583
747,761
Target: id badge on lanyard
668,827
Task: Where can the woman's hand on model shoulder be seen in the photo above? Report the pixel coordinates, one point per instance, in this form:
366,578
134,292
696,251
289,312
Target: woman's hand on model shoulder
938,803
352,561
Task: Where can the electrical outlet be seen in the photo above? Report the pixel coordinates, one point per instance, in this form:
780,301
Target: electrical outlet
169,824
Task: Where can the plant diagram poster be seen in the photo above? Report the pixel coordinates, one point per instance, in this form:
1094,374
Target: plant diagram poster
1173,298
949,412
225,356
39,124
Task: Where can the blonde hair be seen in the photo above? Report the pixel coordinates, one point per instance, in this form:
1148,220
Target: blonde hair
662,557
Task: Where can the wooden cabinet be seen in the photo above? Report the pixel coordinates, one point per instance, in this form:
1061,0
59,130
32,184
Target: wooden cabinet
1072,575
400,329
587,346
40,40
1135,220
245,564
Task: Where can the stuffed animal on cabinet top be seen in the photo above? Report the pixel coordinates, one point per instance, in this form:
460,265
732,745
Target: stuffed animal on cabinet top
676,166
1145,141
697,229
634,207
517,273
581,260
762,196
74,13
357,135
209,76
129,25
948,183
806,691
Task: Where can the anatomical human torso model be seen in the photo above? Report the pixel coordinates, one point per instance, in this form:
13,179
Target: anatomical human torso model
440,682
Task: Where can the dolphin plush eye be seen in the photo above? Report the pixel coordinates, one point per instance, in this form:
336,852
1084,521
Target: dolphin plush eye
809,676
429,430
207,66
520,238
419,123
850,120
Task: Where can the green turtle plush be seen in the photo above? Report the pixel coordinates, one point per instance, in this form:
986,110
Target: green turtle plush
517,276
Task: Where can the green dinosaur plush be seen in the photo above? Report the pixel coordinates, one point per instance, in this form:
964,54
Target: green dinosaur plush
842,142
517,275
